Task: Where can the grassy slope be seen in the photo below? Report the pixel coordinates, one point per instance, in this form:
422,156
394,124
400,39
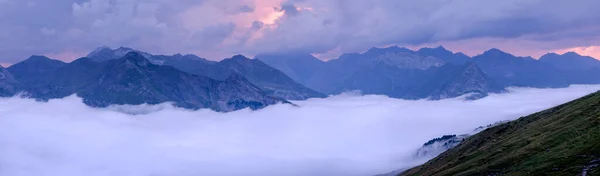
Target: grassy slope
558,141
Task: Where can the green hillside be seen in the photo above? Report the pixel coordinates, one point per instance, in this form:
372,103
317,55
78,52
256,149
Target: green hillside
564,140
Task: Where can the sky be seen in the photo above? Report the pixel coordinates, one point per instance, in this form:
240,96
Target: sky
216,29
347,134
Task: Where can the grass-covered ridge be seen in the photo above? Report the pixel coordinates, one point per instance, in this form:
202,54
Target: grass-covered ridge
559,141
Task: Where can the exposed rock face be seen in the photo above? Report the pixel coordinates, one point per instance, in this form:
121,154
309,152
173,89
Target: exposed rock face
105,53
8,84
405,60
134,80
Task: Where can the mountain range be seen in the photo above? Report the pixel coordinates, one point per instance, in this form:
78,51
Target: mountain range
434,73
133,79
126,76
267,78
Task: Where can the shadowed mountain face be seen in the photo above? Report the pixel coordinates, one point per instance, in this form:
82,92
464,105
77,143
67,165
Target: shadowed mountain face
570,61
8,84
34,65
133,79
262,75
454,81
299,67
510,70
564,140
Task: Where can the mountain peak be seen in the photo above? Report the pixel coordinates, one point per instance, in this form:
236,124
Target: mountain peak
468,79
496,53
105,53
38,58
572,54
124,48
549,55
395,49
239,57
570,61
440,49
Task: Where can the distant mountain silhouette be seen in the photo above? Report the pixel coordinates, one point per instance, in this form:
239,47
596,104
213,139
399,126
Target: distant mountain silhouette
510,70
34,65
126,76
404,73
133,79
570,61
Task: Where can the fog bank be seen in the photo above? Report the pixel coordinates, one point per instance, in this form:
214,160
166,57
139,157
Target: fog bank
339,135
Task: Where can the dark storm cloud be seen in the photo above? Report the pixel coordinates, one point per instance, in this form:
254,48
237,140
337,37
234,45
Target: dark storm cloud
315,26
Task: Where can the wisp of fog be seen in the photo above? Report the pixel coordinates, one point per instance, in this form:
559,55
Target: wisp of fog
340,135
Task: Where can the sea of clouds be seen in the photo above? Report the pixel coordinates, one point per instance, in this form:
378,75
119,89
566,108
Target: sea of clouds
340,135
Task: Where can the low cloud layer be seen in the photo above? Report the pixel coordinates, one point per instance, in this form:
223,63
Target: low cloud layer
340,135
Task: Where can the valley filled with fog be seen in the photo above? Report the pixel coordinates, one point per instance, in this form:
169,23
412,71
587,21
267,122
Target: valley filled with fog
347,134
